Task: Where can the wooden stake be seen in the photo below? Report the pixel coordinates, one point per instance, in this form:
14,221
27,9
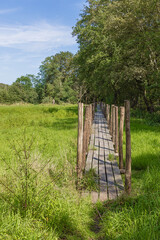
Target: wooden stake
113,124
107,113
111,120
91,118
93,110
85,137
128,148
122,113
80,140
104,110
116,130
89,123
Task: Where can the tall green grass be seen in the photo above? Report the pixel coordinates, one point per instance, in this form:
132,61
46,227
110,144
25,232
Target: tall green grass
42,203
56,210
137,217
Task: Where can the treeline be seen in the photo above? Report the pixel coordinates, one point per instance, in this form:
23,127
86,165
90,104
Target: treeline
118,59
119,51
55,82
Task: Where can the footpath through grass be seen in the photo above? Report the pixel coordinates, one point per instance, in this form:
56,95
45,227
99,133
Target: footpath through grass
38,198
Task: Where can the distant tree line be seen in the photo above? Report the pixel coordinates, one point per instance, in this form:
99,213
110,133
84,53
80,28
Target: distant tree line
56,80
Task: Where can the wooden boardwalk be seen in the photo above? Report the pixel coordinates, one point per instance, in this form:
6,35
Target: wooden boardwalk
101,151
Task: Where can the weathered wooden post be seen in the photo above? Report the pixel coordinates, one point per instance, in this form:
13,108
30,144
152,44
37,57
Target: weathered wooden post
107,113
80,141
85,137
113,125
122,113
89,123
91,118
93,110
104,110
116,130
128,148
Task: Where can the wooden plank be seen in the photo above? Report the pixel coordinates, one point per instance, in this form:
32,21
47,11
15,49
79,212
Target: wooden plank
110,180
111,148
94,194
118,179
102,174
89,160
110,176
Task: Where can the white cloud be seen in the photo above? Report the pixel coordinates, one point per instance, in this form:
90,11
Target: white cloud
36,38
6,11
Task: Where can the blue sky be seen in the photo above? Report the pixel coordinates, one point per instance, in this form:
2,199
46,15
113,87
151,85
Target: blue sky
31,30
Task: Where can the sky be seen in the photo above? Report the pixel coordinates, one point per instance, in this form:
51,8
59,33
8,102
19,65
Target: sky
31,30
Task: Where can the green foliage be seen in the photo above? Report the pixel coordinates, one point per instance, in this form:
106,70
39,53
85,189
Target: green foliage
57,78
47,100
111,157
88,182
152,119
21,90
119,53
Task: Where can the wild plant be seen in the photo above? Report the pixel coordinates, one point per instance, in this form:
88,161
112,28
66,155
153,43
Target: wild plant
26,178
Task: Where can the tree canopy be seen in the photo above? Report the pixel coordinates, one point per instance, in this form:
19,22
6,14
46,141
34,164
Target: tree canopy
119,51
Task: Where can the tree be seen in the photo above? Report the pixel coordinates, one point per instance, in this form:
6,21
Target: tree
119,53
22,90
57,79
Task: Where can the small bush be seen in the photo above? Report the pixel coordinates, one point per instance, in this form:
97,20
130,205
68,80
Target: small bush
47,100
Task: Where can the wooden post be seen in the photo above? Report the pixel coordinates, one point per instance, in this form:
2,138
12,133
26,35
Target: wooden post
122,113
80,140
116,130
85,137
89,123
107,113
93,110
91,118
108,117
111,119
105,110
113,125
128,148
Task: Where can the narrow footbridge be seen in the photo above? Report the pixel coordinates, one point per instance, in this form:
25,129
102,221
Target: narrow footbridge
102,158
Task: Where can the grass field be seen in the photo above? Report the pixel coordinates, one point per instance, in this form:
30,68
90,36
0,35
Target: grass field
137,217
45,205
38,198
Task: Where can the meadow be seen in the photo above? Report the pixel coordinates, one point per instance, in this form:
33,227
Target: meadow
38,196
137,216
